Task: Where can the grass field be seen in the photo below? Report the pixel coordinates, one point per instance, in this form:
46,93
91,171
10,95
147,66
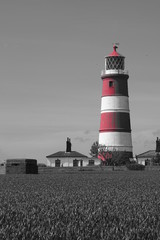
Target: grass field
82,205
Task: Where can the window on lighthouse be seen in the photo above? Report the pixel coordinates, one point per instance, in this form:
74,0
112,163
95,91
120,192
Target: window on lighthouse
111,83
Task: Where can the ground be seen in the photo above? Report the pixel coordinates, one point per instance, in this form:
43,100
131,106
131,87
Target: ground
81,205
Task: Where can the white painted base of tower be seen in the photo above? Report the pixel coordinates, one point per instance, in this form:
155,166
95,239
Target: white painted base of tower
120,141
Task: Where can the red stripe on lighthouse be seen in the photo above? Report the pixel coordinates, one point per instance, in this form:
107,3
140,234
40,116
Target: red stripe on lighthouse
115,86
108,87
115,121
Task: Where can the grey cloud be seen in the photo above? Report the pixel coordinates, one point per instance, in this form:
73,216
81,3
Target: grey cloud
156,133
149,143
81,139
87,132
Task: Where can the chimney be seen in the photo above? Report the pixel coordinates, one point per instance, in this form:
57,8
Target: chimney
158,145
68,145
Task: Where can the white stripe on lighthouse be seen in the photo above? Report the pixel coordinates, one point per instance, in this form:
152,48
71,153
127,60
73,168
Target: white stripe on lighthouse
121,141
114,103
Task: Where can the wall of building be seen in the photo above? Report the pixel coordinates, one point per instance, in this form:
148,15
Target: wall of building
143,160
68,162
97,161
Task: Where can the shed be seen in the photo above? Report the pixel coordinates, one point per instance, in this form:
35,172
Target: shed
21,166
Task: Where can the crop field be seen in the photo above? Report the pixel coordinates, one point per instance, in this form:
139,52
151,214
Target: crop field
82,205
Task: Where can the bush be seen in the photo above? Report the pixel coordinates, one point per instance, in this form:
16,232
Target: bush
135,166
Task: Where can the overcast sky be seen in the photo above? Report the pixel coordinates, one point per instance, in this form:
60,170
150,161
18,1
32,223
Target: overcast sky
51,56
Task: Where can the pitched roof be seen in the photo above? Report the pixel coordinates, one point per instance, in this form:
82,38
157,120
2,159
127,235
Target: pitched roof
62,154
148,154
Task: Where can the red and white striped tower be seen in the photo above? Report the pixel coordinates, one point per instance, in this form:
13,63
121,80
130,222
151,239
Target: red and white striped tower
115,128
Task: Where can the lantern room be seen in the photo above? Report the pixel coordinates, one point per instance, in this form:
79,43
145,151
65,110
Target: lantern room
114,60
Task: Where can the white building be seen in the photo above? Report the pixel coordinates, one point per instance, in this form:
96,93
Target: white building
70,158
146,157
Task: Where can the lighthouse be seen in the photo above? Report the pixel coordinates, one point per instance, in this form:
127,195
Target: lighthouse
115,127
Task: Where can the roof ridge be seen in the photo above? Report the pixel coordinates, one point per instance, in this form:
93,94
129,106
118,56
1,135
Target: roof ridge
146,152
66,154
